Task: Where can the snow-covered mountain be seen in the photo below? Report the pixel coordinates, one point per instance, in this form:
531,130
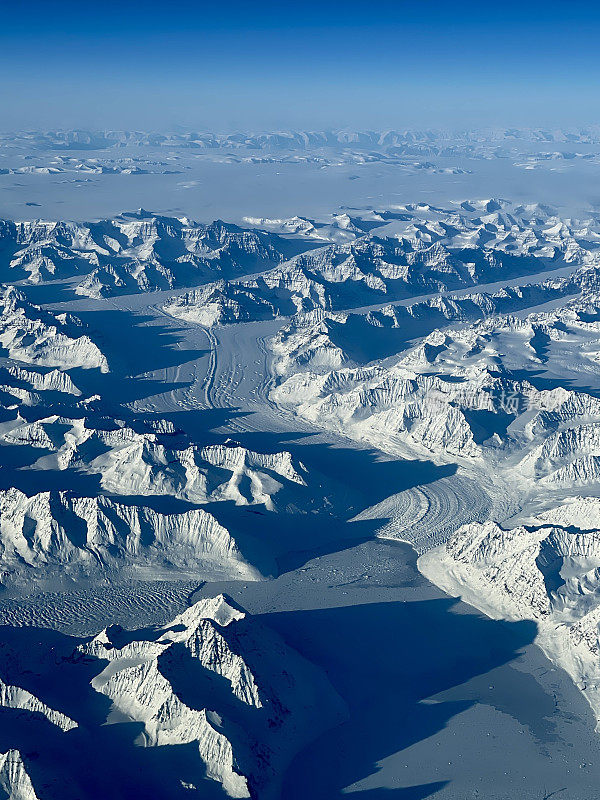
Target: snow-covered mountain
59,534
254,685
439,393
547,569
133,493
132,463
363,259
33,336
55,531
424,139
135,252
416,250
14,780
223,700
437,366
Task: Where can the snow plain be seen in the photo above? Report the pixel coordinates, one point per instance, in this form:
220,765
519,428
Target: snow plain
236,458
89,175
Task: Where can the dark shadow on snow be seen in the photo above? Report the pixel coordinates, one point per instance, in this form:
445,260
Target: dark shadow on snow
385,659
93,761
406,793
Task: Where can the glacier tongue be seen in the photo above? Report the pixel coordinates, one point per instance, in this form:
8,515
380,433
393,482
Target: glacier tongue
454,350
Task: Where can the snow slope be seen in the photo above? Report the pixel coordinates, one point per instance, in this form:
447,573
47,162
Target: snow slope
134,252
546,569
83,535
223,700
439,368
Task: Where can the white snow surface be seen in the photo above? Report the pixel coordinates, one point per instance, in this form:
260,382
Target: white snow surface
546,569
153,429
14,780
84,534
215,638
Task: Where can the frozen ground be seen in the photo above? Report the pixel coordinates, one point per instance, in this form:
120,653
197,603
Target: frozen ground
290,414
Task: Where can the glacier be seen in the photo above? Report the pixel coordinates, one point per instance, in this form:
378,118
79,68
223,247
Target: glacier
299,495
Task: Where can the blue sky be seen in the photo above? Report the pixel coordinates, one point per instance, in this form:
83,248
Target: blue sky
239,65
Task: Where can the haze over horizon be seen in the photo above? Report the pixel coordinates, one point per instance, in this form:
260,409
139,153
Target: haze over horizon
236,66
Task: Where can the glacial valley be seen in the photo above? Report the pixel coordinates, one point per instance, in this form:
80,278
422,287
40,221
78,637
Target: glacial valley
306,504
